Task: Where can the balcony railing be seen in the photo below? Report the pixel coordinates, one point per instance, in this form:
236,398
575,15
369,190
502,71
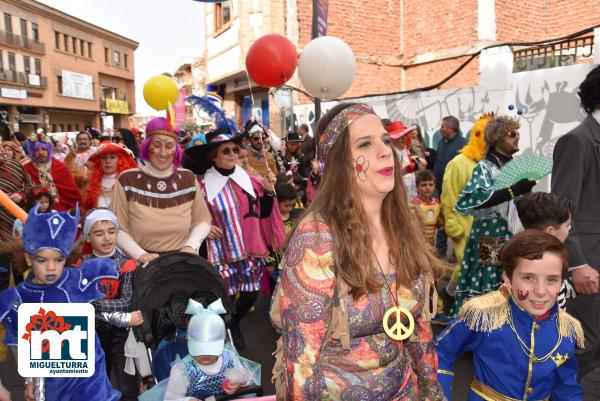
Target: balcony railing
11,39
567,52
21,78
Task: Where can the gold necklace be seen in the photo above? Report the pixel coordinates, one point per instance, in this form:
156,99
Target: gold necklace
527,350
397,331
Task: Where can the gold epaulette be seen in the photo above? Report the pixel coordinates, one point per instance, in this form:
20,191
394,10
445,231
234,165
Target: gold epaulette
571,328
487,312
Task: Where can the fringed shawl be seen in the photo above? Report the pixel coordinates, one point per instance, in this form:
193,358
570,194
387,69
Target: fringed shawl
160,193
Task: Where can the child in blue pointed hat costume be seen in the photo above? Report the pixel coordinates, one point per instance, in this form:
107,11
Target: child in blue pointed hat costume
48,239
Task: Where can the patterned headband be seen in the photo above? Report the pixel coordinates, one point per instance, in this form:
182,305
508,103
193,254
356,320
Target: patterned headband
338,124
163,132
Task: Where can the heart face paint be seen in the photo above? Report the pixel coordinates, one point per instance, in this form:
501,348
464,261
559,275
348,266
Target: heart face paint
522,295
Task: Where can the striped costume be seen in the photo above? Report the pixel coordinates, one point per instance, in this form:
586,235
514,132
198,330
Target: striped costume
237,206
13,179
228,253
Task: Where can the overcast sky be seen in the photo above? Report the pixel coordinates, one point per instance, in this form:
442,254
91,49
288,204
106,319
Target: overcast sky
167,32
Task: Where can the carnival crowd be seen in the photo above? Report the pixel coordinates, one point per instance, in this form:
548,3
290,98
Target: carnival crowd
338,228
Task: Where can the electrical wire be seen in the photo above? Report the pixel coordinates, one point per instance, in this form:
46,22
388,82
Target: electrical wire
459,68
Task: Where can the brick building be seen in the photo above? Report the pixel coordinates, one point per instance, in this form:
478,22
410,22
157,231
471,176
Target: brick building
190,77
60,73
398,44
407,44
230,29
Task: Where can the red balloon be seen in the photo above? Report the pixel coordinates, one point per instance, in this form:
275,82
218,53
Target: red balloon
271,60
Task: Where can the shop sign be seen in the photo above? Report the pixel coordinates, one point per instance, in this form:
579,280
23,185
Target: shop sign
13,93
115,106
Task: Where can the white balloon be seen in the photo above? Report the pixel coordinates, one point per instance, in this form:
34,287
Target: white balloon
282,98
327,67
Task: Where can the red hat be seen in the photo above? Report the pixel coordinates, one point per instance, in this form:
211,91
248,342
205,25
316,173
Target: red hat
106,148
397,130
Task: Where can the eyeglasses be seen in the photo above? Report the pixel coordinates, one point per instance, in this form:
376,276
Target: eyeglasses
227,150
514,134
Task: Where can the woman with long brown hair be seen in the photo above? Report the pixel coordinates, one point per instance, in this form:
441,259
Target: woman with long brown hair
356,293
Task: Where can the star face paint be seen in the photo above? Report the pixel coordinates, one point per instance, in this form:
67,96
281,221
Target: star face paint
522,295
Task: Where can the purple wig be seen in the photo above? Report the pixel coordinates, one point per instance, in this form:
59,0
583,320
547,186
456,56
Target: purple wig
160,124
43,145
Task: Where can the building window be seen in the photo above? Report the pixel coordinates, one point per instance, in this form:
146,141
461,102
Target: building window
12,65
106,51
125,60
8,22
60,86
27,64
37,65
57,40
68,127
24,32
82,47
90,49
222,14
1,62
35,32
108,92
74,45
66,40
116,58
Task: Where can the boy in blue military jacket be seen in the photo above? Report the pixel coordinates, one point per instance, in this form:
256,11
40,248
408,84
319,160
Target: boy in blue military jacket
47,240
523,345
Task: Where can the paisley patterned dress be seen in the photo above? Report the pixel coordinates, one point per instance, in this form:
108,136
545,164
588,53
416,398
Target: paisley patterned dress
375,367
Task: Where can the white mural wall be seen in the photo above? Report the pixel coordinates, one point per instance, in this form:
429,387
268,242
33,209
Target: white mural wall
547,97
548,100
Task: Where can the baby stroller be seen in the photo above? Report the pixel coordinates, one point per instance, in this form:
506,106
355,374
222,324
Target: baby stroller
162,289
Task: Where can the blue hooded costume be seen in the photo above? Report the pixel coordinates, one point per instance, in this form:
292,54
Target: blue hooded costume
57,231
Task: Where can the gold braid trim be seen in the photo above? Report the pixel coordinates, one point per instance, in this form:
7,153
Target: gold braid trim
570,327
487,312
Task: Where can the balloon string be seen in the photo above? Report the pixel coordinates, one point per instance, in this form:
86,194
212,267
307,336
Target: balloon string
250,87
264,151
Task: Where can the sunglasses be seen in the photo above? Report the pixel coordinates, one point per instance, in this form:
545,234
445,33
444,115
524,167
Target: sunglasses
514,134
227,150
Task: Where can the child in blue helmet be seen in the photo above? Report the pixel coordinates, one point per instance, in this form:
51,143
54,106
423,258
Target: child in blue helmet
48,239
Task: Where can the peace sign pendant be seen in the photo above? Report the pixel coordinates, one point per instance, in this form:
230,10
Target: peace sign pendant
398,331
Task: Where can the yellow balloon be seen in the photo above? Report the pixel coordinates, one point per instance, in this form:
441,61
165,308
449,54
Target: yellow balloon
159,91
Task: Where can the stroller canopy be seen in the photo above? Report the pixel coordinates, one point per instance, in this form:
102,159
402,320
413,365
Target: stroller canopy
162,289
